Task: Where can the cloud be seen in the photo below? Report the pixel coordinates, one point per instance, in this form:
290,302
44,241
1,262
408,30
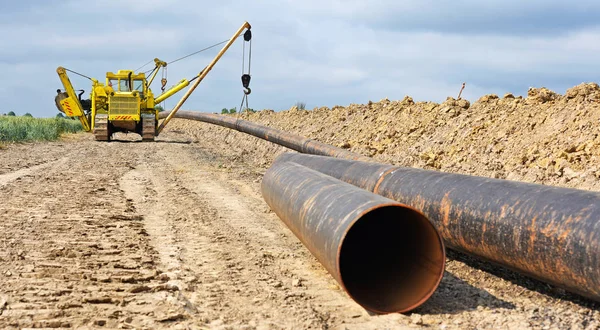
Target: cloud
509,17
322,53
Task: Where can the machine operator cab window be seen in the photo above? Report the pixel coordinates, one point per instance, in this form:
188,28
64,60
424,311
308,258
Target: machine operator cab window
124,85
112,83
138,85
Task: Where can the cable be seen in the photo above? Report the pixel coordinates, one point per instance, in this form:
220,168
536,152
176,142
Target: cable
239,113
245,97
201,50
181,58
144,65
249,56
150,72
243,56
77,73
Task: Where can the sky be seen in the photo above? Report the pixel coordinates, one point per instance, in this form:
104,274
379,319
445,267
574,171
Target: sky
319,52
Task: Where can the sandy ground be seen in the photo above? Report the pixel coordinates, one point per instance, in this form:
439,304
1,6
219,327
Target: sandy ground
175,234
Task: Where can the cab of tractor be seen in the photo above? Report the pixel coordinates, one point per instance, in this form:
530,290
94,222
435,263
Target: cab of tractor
128,106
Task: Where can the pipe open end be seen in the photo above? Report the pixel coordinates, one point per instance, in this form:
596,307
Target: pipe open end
392,259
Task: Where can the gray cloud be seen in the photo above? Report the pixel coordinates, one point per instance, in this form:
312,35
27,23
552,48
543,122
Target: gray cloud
328,54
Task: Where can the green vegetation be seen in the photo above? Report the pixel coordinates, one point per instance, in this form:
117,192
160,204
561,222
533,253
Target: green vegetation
159,108
14,129
301,105
226,111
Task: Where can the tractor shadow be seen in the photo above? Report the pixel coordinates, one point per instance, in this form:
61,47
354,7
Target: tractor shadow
156,141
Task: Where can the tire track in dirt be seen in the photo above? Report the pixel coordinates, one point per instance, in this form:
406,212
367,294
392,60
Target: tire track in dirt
7,178
280,274
221,275
74,252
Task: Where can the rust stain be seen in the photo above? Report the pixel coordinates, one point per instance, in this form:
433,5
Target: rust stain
445,207
532,236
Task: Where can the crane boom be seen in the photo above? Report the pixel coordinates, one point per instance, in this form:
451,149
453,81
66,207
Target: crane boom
70,104
201,76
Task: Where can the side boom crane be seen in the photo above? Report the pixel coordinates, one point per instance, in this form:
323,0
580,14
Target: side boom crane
69,101
125,102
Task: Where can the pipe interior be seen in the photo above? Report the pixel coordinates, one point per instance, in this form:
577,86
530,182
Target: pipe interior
391,260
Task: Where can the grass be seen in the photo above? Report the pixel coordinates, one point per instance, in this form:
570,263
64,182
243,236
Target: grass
20,129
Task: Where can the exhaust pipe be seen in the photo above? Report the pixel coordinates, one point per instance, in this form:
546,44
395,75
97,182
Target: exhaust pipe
387,256
549,233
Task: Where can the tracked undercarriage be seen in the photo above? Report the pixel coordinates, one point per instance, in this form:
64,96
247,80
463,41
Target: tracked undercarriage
101,129
148,127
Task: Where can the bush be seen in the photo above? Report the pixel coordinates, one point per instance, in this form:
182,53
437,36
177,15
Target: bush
27,115
15,129
225,111
301,105
11,113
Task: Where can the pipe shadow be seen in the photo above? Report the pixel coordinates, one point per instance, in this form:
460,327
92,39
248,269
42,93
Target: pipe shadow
454,296
524,281
156,141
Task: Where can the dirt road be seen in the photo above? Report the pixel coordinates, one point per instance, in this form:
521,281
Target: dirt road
175,234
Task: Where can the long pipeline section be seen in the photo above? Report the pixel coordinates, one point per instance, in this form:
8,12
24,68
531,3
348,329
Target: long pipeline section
288,140
549,233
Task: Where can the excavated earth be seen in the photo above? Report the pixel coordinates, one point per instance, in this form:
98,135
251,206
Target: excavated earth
175,234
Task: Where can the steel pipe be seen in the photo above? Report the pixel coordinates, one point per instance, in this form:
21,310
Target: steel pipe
387,256
288,140
549,233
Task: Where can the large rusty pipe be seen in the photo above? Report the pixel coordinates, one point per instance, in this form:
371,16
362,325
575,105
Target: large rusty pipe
387,256
288,140
549,233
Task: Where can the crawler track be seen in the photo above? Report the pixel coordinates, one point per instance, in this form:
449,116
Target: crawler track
148,127
101,128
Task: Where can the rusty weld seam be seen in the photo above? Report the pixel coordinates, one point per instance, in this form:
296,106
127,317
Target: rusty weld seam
381,178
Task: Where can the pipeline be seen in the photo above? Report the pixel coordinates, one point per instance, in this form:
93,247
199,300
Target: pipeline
549,233
387,256
288,140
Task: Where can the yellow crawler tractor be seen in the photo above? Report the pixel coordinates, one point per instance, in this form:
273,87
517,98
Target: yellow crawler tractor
125,102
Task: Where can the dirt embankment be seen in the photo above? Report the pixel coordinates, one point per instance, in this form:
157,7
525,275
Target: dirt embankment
544,137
